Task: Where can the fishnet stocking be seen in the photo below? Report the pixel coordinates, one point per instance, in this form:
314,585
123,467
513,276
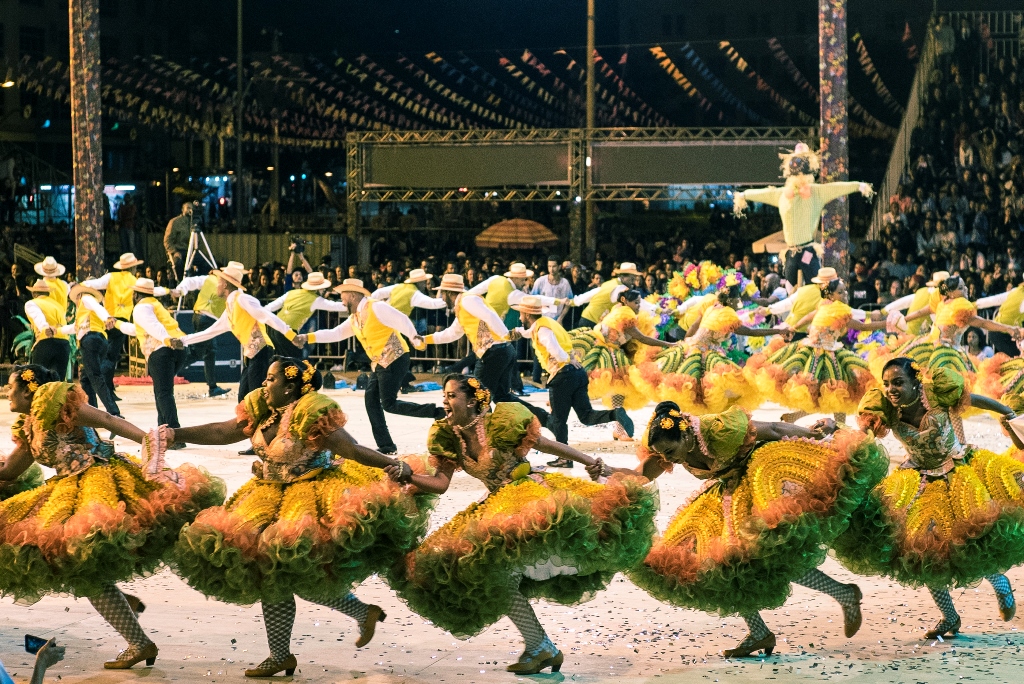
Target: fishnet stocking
114,608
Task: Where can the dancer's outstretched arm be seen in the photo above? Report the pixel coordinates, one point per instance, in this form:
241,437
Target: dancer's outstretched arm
17,462
432,484
227,432
94,418
550,446
342,444
773,432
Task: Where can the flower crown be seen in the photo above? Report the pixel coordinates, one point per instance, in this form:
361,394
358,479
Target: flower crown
292,371
673,419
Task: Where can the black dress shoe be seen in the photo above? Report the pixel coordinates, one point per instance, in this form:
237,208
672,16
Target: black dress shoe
248,452
218,391
390,451
561,463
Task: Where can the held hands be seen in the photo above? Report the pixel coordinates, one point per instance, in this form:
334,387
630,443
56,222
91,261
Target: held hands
110,323
514,335
176,343
419,343
824,427
598,469
299,341
400,472
1017,334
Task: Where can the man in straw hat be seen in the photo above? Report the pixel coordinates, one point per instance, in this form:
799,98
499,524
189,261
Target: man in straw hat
1010,312
567,380
800,202
382,331
599,300
207,309
409,295
802,302
296,307
118,299
51,348
502,291
488,336
244,318
91,327
163,344
51,272
923,297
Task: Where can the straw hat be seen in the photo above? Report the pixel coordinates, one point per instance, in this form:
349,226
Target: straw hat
126,261
937,278
418,275
825,275
146,286
452,282
316,281
231,273
41,287
49,268
518,270
352,285
530,304
79,290
627,268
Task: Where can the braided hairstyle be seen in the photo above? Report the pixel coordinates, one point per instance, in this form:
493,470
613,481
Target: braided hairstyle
830,288
480,396
32,376
667,424
301,374
950,285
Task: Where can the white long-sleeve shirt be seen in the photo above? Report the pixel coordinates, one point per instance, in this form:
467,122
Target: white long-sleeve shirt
476,307
995,300
385,313
35,314
250,305
319,304
189,284
419,300
514,297
557,357
143,316
89,302
100,283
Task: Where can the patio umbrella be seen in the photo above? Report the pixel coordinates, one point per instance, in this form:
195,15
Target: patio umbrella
516,234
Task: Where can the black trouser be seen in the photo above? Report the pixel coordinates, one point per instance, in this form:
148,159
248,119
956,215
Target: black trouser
283,346
568,390
494,370
115,345
382,395
54,354
93,348
584,323
1002,342
163,365
254,371
207,351
795,264
468,361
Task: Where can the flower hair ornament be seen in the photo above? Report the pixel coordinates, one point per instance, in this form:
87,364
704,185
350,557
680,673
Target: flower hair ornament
291,372
480,393
28,377
307,374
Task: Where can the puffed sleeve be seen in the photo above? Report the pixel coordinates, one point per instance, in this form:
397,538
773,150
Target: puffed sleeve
18,433
316,417
876,413
727,436
512,428
945,388
442,444
55,406
252,409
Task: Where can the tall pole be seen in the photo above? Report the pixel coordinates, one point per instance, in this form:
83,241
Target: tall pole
86,135
835,156
590,225
241,201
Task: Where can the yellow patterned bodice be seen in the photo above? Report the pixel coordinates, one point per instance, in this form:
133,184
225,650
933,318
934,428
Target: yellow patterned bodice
951,322
829,325
716,326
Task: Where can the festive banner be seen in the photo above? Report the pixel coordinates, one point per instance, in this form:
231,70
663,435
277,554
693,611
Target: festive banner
680,78
742,66
792,69
868,67
720,88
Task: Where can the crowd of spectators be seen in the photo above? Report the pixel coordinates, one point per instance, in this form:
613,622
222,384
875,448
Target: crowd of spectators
960,203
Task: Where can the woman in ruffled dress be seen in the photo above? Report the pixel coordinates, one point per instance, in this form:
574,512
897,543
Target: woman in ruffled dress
609,349
697,375
817,374
101,519
951,514
943,346
318,517
536,535
775,496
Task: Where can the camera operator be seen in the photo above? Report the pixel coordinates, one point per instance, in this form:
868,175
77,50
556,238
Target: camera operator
297,248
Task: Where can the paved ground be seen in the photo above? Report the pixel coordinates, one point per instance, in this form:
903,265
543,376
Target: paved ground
624,635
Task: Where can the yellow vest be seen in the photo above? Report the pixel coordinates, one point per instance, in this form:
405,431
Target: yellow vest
564,341
151,344
59,293
1009,312
497,295
921,299
208,301
54,314
297,308
247,331
479,335
382,344
805,300
86,321
119,300
602,302
401,297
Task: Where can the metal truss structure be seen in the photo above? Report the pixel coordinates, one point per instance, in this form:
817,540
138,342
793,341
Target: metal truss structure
578,188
